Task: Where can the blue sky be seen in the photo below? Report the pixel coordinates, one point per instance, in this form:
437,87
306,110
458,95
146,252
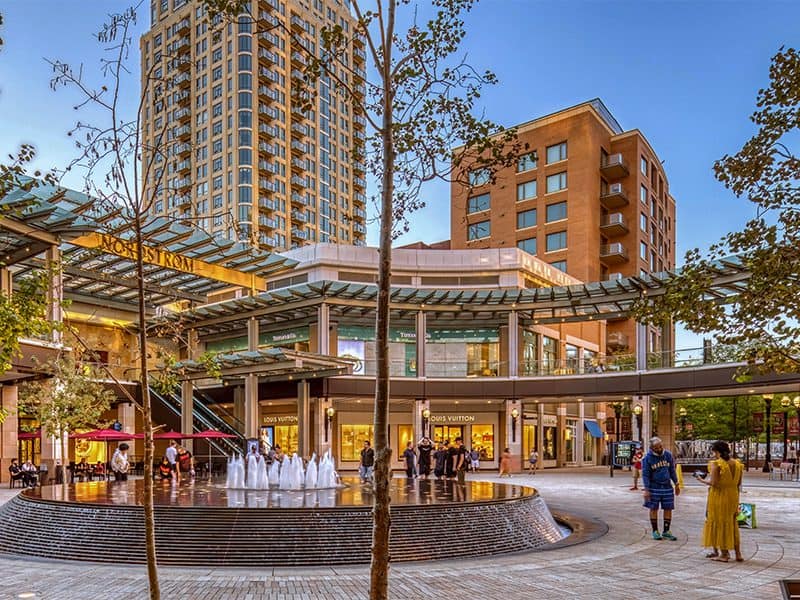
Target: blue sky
684,73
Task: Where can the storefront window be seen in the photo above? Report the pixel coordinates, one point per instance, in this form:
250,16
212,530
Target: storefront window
528,439
284,436
588,447
572,358
530,349
549,443
483,360
447,433
405,433
570,441
483,441
549,354
352,441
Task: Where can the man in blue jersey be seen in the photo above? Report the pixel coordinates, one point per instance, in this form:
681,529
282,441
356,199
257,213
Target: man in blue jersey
658,477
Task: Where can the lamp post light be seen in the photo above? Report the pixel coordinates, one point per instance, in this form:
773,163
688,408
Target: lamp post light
426,415
514,417
617,406
682,413
329,412
786,402
768,429
637,410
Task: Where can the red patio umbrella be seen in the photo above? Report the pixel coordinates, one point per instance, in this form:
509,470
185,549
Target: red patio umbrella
106,435
172,435
29,435
212,434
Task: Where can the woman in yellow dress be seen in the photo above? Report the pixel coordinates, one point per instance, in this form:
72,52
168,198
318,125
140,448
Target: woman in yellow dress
721,529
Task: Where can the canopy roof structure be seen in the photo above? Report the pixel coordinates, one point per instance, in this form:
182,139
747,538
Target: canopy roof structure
589,301
182,263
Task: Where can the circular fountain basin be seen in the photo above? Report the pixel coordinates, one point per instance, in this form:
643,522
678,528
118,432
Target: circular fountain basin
202,522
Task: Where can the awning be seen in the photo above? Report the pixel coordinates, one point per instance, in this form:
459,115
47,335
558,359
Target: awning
593,428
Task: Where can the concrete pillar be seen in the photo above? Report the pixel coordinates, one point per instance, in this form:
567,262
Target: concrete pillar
647,418
323,329
9,447
333,338
55,298
238,403
303,420
5,281
187,413
579,436
421,328
323,440
601,446
666,417
126,414
251,408
561,415
419,422
540,433
641,347
513,439
252,333
513,344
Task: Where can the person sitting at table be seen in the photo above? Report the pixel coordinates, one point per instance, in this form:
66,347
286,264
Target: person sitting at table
99,470
165,469
30,474
16,471
82,470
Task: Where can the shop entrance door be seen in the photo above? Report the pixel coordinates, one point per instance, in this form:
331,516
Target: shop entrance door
442,433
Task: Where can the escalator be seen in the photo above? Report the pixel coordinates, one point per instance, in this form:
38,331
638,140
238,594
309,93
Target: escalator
204,418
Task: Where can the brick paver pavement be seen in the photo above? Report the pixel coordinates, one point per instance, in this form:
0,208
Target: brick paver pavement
624,563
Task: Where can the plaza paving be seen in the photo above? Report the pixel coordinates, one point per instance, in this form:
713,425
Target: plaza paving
624,563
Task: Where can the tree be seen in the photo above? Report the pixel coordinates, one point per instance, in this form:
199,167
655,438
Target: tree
419,107
713,418
761,320
23,314
72,398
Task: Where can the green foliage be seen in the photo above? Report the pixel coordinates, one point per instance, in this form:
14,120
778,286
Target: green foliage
72,398
3,414
761,322
712,418
24,315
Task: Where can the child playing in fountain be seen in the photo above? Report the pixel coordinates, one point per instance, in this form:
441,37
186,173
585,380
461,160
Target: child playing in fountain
165,469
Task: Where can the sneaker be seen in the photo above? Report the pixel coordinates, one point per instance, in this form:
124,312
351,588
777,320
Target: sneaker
656,535
668,536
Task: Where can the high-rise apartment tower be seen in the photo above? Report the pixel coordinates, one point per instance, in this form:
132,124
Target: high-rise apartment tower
588,198
240,156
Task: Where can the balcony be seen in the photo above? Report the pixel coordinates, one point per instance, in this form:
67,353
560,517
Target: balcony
300,129
266,148
299,182
360,198
616,340
299,234
298,24
267,93
613,225
359,122
298,75
266,240
267,222
298,199
184,166
613,254
186,200
183,131
267,203
298,60
359,55
614,197
182,149
266,184
299,216
267,111
267,57
360,182
359,228
614,166
300,164
270,38
299,147
182,80
269,74
359,135
359,213
183,114
267,130
180,43
267,167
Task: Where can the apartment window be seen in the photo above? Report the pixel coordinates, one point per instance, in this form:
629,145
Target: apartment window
528,245
643,250
526,190
644,166
478,203
643,195
561,265
476,231
479,177
557,152
643,221
526,162
556,212
556,241
526,219
556,182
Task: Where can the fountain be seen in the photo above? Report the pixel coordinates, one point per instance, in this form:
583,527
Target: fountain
311,473
288,474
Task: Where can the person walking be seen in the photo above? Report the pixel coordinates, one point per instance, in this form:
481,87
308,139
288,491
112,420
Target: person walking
658,478
505,463
439,461
636,468
533,461
119,463
410,457
721,531
474,460
460,460
367,463
425,449
172,457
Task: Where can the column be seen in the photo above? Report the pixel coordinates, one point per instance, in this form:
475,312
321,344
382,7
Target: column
8,429
540,433
561,416
601,446
666,415
323,329
238,403
579,436
421,328
641,347
5,281
303,420
55,291
513,344
323,440
252,333
419,422
187,412
513,439
647,418
126,414
251,409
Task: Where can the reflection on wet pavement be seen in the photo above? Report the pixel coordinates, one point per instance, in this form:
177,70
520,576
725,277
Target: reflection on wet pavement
213,493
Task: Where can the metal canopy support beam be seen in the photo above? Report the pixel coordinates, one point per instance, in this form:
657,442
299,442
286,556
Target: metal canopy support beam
323,328
513,344
131,284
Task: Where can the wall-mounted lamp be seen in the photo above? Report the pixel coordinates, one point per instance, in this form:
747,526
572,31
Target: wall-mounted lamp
638,410
329,412
514,417
426,415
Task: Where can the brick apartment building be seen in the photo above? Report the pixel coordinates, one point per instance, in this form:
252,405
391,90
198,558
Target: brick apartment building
588,198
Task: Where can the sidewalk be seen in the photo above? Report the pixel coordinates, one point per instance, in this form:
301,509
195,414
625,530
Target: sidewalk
624,564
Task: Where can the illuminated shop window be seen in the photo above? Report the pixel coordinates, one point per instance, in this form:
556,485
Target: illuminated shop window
352,441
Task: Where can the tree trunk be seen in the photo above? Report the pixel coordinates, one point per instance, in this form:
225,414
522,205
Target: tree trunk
147,417
64,445
379,569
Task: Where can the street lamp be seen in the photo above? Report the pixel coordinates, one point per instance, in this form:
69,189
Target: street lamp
617,406
682,413
637,410
329,412
768,429
786,402
514,417
426,415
